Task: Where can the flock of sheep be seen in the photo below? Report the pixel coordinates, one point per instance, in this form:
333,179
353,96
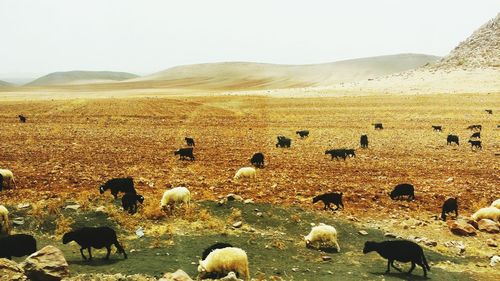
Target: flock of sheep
221,258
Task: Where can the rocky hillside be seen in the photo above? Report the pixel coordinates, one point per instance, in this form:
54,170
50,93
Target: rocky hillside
81,77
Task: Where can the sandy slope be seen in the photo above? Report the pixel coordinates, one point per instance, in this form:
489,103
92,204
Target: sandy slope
81,77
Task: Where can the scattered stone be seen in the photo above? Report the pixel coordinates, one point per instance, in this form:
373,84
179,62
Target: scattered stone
390,235
248,201
101,209
295,269
18,221
352,218
494,260
10,270
221,202
326,258
179,275
492,243
431,243
139,232
72,207
23,206
237,224
488,225
231,277
48,264
449,180
363,232
234,197
259,214
461,228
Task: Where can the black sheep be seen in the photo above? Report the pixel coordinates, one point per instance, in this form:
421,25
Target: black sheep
94,237
258,160
185,153
450,205
17,245
330,198
404,189
189,141
437,128
337,153
22,119
364,141
475,144
475,127
452,139
476,135
350,152
283,142
215,246
489,111
129,201
118,185
378,126
399,250
302,134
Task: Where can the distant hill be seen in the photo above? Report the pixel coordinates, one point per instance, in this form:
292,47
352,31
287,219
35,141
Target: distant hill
4,84
249,75
81,77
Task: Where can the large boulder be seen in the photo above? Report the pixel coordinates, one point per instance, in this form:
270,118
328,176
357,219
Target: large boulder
179,275
488,225
48,264
11,271
461,228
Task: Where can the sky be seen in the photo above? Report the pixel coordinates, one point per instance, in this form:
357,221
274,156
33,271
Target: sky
145,36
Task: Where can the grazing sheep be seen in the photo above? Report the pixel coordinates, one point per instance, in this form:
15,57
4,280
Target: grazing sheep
350,152
404,189
378,126
175,195
437,128
303,134
185,153
364,141
475,144
17,245
129,201
258,160
208,250
118,185
330,198
475,127
94,237
496,204
476,135
399,250
450,205
22,118
491,213
283,142
337,153
489,111
189,141
322,236
246,172
452,139
4,220
8,180
223,261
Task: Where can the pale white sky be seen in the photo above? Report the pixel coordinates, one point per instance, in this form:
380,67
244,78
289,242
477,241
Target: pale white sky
144,36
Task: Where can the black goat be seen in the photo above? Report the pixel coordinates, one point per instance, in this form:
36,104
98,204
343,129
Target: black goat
475,127
185,153
94,237
189,141
452,139
450,205
22,118
489,111
475,144
215,246
17,245
337,153
364,141
404,189
437,128
303,133
476,135
258,160
399,250
118,185
350,152
378,126
129,201
330,198
283,142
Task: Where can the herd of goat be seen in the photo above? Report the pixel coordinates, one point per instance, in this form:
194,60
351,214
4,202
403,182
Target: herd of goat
221,258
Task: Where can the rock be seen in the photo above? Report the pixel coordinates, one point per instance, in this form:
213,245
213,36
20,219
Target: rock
259,214
352,218
231,277
461,228
473,223
431,243
23,206
492,243
72,207
390,235
326,258
488,225
234,197
494,260
237,224
363,232
139,232
449,180
179,275
18,221
48,264
10,270
221,202
248,201
101,209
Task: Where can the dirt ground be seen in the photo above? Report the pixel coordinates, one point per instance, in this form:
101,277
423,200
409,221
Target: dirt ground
69,147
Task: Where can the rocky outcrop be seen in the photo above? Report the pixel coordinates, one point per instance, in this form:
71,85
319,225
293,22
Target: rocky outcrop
179,275
11,271
461,228
489,226
48,264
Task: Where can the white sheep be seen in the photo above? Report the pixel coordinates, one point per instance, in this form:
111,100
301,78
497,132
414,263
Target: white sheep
175,195
496,204
491,213
8,178
4,220
324,235
222,261
246,172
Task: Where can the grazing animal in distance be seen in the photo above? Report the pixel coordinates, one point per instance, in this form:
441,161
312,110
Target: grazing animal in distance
303,133
452,139
450,205
404,189
364,141
337,153
185,153
476,135
378,126
208,250
4,220
491,213
489,111
283,142
246,172
330,198
129,201
258,160
117,185
94,237
475,127
17,245
475,144
189,141
174,196
322,236
350,152
222,261
399,250
22,118
8,180
437,128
